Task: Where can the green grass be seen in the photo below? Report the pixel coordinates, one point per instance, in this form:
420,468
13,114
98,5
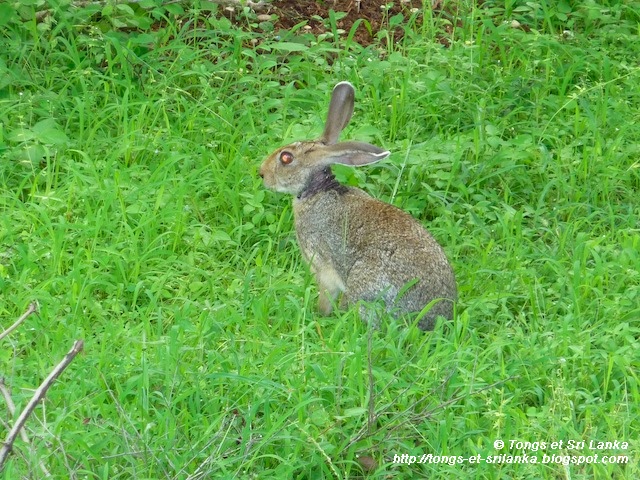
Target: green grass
131,210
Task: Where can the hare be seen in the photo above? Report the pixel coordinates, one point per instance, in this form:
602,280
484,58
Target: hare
355,244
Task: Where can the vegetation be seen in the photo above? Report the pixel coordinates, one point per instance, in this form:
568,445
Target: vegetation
131,210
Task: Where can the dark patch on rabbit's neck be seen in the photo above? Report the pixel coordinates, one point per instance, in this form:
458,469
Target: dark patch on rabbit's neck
321,181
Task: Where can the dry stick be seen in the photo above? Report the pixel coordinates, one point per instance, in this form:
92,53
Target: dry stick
12,410
11,406
33,308
39,394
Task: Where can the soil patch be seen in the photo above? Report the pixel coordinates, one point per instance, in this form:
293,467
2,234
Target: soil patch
372,15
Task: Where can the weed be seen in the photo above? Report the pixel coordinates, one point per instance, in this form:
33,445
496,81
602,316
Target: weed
130,138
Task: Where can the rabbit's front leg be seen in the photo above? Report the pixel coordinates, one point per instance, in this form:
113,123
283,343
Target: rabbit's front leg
330,285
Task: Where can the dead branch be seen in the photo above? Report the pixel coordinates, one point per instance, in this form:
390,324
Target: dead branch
39,394
12,410
11,406
33,308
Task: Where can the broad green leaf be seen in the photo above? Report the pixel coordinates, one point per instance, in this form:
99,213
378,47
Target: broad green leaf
6,13
48,132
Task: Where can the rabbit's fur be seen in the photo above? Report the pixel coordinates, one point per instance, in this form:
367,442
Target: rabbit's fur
357,245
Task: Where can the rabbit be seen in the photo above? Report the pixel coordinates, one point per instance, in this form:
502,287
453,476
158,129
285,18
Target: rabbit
356,245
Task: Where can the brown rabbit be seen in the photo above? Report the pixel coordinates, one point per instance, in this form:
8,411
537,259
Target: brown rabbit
358,246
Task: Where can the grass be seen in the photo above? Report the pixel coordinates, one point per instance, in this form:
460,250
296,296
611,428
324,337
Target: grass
132,211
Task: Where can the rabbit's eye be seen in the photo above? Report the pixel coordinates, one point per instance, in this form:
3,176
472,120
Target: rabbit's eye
286,158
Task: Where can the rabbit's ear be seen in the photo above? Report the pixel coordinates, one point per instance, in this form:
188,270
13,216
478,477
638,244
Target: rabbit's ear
352,153
340,111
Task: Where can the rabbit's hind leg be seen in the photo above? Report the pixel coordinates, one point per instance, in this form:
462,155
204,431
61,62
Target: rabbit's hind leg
369,286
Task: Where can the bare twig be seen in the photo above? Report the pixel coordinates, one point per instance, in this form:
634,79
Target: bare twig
33,308
39,394
12,410
11,406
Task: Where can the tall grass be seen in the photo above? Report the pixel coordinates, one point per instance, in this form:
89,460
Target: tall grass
132,211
